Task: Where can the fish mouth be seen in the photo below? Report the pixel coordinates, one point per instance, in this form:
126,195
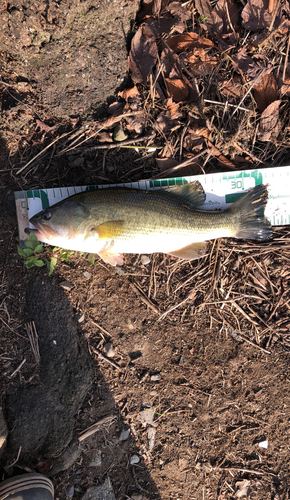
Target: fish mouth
42,233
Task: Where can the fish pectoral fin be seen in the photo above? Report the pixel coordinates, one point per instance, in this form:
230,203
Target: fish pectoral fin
109,230
193,193
191,252
113,258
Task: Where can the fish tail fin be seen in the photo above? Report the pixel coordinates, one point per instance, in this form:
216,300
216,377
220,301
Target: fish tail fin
249,214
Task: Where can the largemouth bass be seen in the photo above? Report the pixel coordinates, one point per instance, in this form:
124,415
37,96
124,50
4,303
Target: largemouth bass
113,221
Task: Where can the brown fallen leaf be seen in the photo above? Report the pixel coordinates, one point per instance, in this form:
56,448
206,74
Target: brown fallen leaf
200,63
179,10
232,88
243,60
151,7
222,160
269,125
227,16
285,89
177,89
168,119
202,131
46,128
129,93
193,143
187,41
165,24
143,54
207,16
255,15
265,91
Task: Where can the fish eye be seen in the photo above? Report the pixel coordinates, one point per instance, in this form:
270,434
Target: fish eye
47,215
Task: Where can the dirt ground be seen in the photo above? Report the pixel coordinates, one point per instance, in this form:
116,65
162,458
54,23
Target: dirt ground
212,374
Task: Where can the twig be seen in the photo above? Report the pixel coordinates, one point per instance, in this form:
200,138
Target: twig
113,146
227,104
105,358
96,427
15,461
33,338
19,368
144,299
183,164
101,328
286,59
41,153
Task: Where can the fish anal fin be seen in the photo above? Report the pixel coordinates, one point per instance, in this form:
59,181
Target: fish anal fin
109,230
193,193
191,252
113,258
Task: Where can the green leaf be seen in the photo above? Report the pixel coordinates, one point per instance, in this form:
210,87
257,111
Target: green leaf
30,243
28,251
38,249
52,265
39,263
20,251
29,264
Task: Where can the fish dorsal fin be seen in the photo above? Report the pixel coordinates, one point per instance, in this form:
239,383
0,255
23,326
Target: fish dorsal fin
109,230
191,252
193,193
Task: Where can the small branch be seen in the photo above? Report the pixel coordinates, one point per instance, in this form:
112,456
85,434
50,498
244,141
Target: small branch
19,368
96,427
105,358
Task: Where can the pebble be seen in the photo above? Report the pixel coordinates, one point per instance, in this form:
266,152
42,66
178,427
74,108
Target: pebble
109,350
145,260
70,491
156,377
134,460
81,317
66,285
124,434
102,491
87,275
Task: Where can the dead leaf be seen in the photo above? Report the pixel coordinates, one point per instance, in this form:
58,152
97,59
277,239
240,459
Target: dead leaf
198,130
243,60
151,7
269,126
135,124
285,89
165,123
200,63
105,137
227,15
179,11
187,41
222,160
173,109
255,15
193,143
46,128
165,24
207,16
177,89
129,93
243,489
265,91
143,54
232,88
116,108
